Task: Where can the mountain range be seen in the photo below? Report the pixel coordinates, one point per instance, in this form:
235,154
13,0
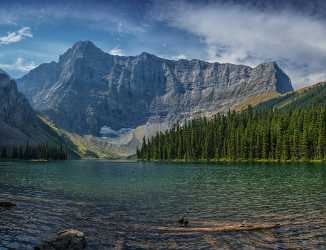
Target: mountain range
106,104
89,91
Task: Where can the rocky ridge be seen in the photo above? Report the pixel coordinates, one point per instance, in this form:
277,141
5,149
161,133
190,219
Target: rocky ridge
88,90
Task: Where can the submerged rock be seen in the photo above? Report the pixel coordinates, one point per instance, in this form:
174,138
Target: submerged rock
183,222
69,239
7,204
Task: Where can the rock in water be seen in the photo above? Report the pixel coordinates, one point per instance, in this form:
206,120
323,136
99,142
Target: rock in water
183,222
69,239
7,204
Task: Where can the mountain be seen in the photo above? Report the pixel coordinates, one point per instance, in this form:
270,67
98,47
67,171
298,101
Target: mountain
19,123
88,90
290,127
314,95
269,135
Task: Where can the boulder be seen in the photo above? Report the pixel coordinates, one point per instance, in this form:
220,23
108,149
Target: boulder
7,204
69,239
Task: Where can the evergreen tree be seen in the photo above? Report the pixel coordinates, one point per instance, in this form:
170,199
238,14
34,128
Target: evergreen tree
249,135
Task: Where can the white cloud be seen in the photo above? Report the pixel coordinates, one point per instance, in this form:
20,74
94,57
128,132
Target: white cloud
19,65
245,36
116,52
179,57
17,36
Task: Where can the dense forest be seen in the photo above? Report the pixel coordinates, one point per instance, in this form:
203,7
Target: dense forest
270,134
34,152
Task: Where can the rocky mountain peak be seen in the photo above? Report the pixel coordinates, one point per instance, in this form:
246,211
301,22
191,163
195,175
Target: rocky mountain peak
271,65
93,89
146,55
81,50
275,75
84,46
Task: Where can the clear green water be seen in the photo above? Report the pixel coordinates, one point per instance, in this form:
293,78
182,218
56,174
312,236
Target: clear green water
124,204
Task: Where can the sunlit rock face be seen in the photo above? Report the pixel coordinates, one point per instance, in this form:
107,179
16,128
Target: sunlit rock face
88,89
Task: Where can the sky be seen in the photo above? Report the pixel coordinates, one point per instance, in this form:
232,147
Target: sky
290,32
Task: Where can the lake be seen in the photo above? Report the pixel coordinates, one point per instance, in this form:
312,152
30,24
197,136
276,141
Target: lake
125,205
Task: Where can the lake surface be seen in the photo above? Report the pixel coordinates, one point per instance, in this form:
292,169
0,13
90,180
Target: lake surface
122,205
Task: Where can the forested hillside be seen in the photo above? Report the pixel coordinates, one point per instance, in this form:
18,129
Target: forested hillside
33,152
302,98
289,127
23,133
271,135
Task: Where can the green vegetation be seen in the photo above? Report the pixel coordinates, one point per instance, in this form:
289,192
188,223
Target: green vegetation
307,97
253,135
82,146
33,152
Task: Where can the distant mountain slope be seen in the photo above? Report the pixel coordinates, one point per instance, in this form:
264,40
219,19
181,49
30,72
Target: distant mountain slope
19,124
302,98
88,89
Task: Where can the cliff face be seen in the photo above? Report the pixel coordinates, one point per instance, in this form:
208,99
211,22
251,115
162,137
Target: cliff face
18,122
88,89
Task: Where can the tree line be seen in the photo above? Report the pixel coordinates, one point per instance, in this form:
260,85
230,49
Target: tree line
34,152
271,135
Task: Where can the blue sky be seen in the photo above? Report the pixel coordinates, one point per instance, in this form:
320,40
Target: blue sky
291,32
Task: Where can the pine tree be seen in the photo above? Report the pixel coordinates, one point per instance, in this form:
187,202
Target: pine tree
253,135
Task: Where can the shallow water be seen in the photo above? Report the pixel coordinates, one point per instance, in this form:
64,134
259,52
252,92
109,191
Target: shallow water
122,205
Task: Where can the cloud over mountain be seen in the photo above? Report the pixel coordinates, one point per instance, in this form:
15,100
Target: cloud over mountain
17,36
18,65
249,32
238,34
116,52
